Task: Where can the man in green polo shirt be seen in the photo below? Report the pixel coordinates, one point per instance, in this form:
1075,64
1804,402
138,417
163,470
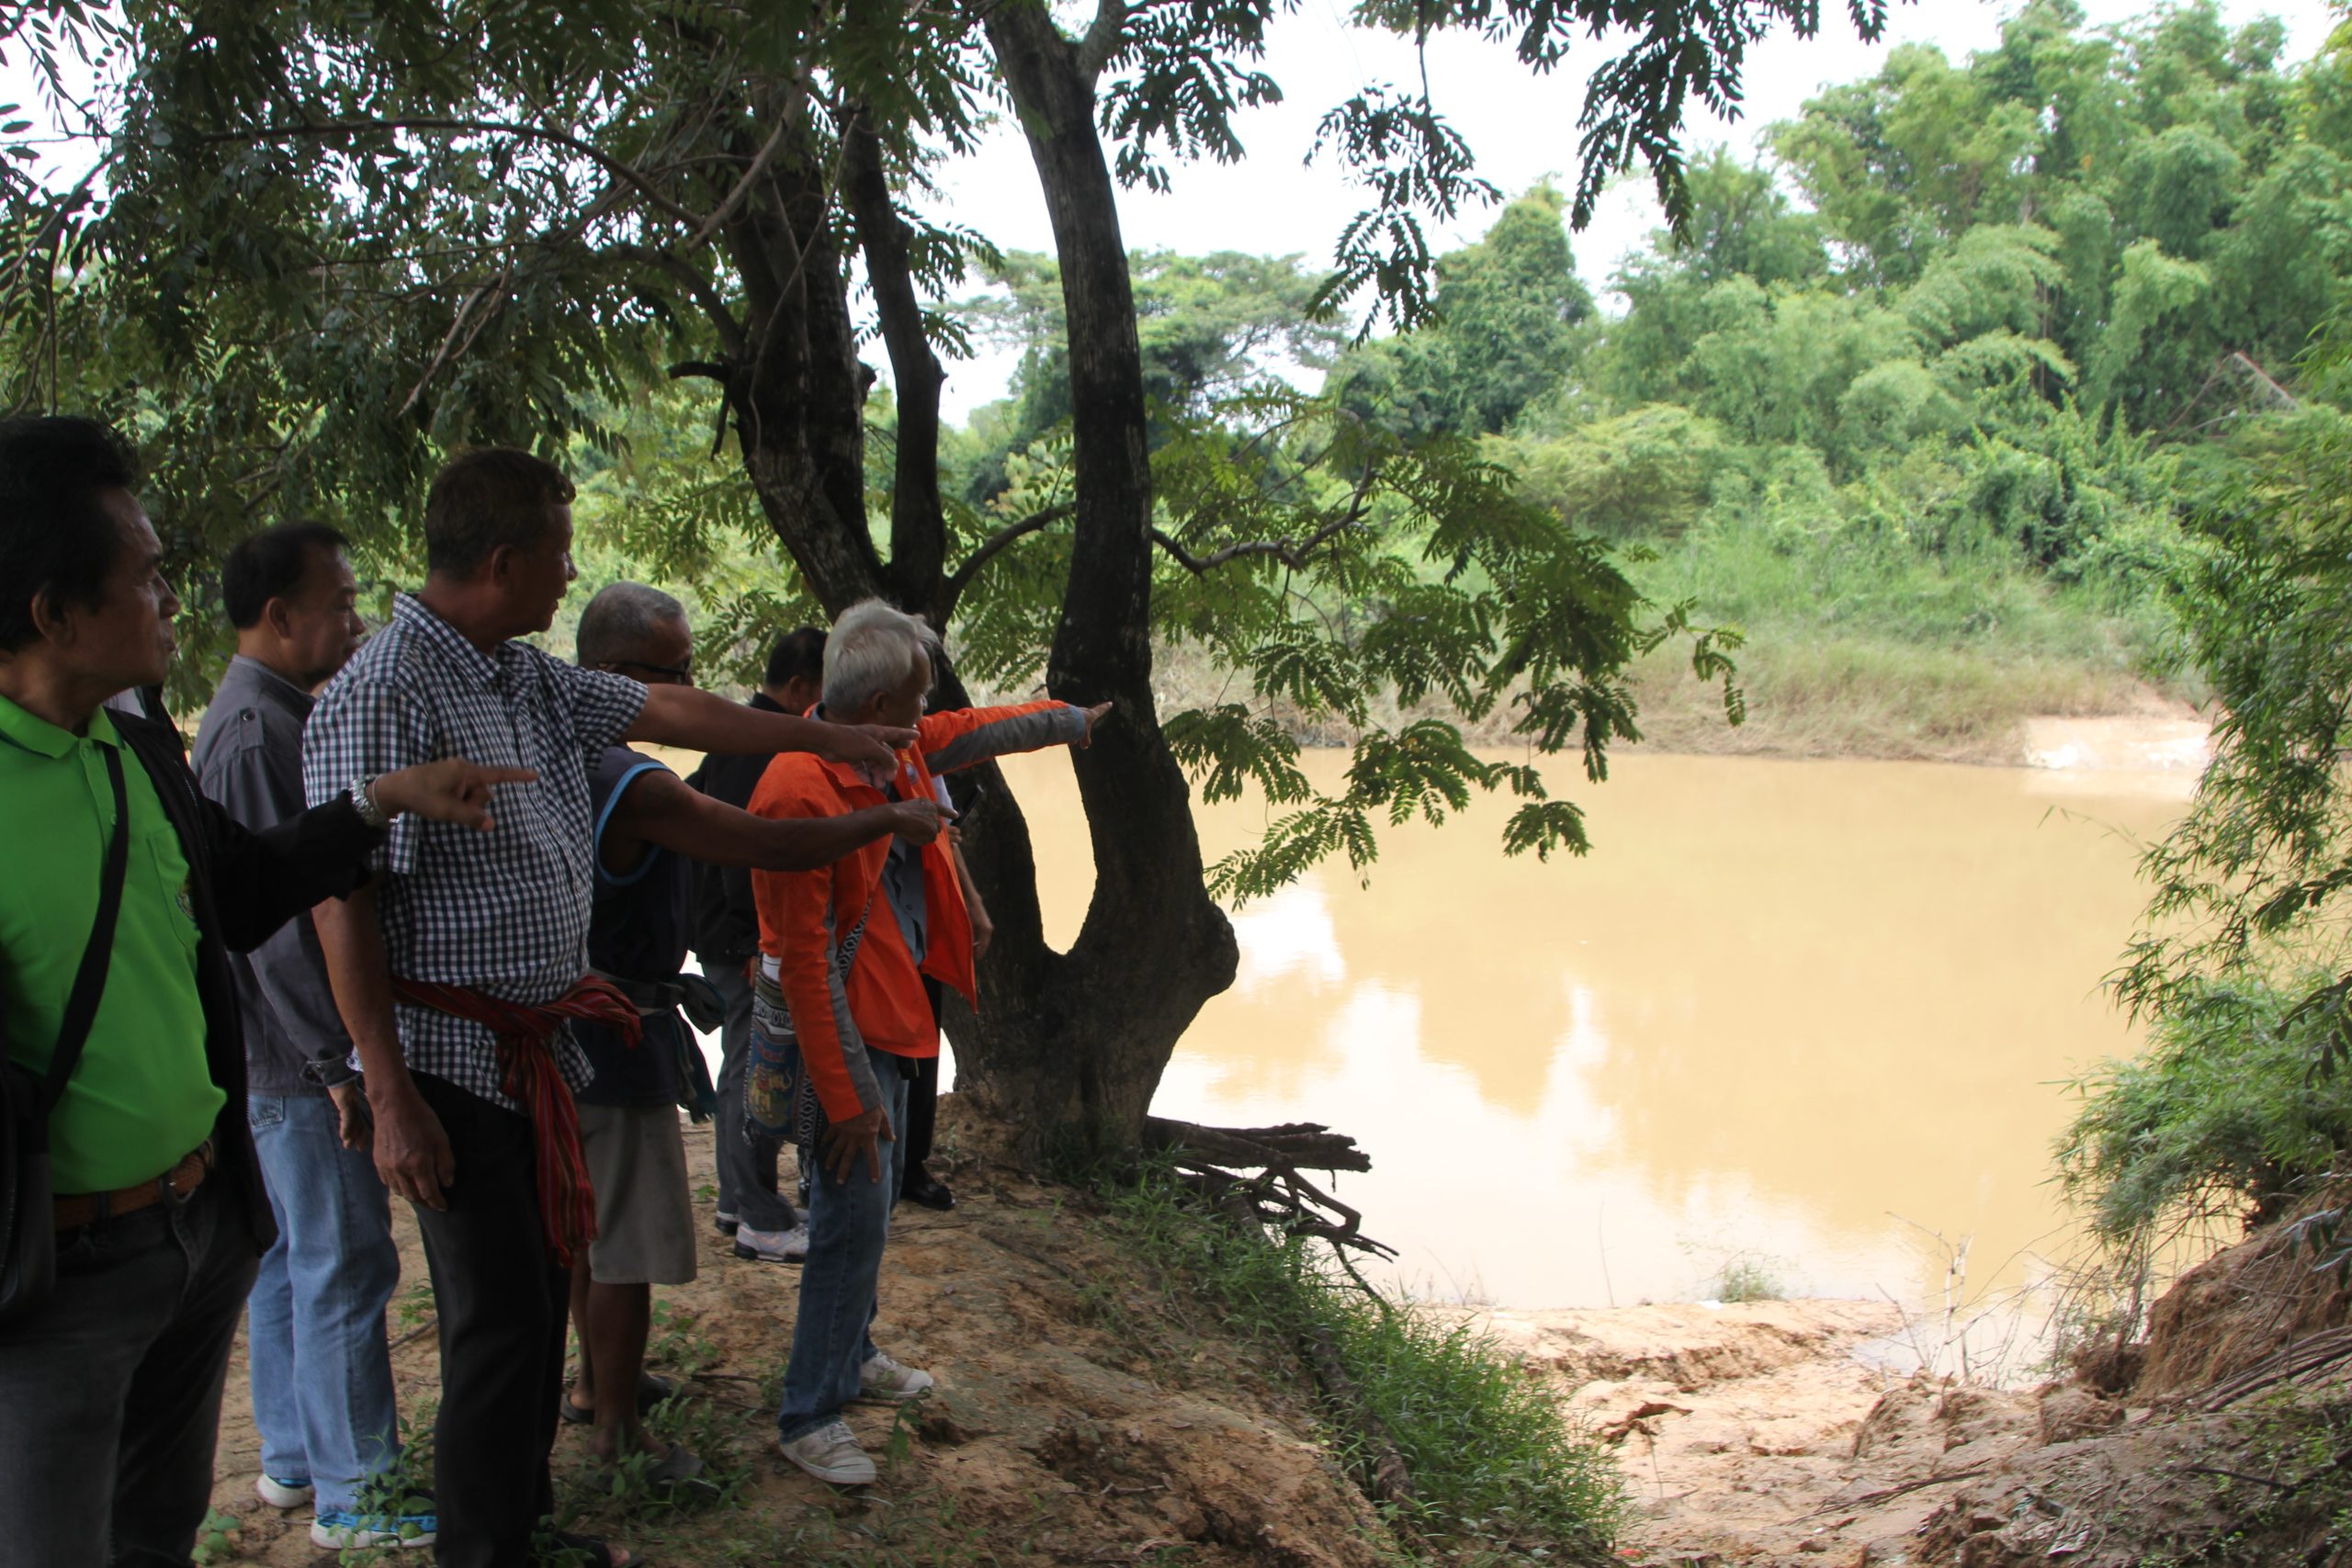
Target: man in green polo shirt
110,1389
141,1091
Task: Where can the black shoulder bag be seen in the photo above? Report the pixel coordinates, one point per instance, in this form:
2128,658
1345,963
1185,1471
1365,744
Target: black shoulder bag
28,1216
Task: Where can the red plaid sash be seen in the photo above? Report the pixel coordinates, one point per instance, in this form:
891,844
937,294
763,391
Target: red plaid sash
526,1063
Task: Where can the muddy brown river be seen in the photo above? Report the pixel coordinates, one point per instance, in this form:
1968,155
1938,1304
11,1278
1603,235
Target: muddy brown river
1798,1019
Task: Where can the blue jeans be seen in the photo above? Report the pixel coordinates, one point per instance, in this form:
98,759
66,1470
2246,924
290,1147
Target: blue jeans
321,1372
747,1163
848,1223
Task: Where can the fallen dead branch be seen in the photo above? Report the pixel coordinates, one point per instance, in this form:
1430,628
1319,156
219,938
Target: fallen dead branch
1211,1160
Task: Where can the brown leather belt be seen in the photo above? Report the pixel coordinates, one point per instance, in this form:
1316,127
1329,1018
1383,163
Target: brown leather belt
77,1209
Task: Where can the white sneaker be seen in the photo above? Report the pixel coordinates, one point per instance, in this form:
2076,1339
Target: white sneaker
830,1453
885,1381
773,1246
284,1494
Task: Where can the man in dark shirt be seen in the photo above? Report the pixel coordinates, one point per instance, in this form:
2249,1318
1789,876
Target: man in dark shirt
110,1387
726,939
649,828
320,1371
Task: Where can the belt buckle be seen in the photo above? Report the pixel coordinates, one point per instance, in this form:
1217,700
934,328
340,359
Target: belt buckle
175,1202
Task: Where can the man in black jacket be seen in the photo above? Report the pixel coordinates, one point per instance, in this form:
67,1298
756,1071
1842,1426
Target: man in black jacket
725,931
110,1390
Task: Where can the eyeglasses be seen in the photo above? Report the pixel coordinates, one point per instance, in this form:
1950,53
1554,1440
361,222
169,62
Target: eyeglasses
682,674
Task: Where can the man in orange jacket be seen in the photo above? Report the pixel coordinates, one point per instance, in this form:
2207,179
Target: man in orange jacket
840,1017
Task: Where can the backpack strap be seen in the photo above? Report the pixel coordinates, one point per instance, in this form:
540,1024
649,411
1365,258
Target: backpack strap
90,978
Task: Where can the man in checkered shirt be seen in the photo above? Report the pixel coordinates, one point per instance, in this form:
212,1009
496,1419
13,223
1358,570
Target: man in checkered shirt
457,970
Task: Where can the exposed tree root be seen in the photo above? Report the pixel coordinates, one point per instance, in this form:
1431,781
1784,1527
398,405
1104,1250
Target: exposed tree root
2302,1360
1213,1160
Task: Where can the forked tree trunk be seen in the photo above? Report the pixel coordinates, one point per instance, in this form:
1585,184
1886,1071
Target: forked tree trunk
1069,1047
1073,1044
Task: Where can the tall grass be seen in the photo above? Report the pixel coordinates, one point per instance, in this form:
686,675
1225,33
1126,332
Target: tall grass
1859,645
1500,1470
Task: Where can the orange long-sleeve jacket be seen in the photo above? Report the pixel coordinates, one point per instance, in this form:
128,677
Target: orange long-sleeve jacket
807,916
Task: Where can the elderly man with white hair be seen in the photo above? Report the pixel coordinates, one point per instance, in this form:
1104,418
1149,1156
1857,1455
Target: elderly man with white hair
840,1015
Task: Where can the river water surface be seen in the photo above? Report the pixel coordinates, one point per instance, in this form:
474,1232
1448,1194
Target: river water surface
1795,1016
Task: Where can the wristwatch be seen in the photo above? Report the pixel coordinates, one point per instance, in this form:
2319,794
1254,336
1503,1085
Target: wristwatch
375,815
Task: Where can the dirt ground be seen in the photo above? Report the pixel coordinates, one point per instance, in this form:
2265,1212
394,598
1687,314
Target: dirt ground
1083,1419
1768,1432
1078,1420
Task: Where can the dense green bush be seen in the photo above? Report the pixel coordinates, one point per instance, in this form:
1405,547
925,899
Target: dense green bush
2244,974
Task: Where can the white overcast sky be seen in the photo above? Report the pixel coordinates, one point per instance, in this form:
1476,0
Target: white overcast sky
1521,125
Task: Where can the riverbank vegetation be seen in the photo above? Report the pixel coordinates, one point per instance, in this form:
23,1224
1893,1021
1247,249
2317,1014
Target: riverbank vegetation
2244,1100
1469,1459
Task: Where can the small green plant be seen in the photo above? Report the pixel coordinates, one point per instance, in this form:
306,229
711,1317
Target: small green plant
216,1539
392,1489
1747,1277
416,1305
678,1340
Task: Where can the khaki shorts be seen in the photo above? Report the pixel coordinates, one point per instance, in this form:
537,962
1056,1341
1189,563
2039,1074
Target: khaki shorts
645,1216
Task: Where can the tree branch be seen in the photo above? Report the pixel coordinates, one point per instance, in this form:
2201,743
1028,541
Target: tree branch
625,172
1293,556
703,291
751,175
918,528
493,290
996,542
1102,37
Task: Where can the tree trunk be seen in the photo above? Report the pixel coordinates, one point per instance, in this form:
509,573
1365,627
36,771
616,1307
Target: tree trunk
798,390
1072,1045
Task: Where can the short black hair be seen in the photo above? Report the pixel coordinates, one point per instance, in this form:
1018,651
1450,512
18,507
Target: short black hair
270,565
57,540
489,497
799,655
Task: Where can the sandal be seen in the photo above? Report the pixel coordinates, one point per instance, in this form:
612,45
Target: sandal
651,1391
561,1549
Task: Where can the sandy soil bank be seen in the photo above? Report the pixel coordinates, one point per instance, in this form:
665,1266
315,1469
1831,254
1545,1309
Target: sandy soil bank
1775,1432
1082,1419
1078,1421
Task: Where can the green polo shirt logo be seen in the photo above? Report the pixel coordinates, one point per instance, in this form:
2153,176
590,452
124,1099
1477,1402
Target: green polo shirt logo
142,1095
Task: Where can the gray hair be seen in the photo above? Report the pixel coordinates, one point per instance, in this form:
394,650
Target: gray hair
872,648
620,618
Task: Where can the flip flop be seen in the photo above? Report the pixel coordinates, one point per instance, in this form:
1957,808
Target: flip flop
651,1391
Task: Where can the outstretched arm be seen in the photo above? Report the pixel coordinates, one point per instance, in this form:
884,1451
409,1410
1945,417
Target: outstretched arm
705,721
659,808
963,737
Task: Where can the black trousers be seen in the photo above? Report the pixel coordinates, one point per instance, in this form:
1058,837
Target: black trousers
923,1095
922,1111
501,1301
110,1391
